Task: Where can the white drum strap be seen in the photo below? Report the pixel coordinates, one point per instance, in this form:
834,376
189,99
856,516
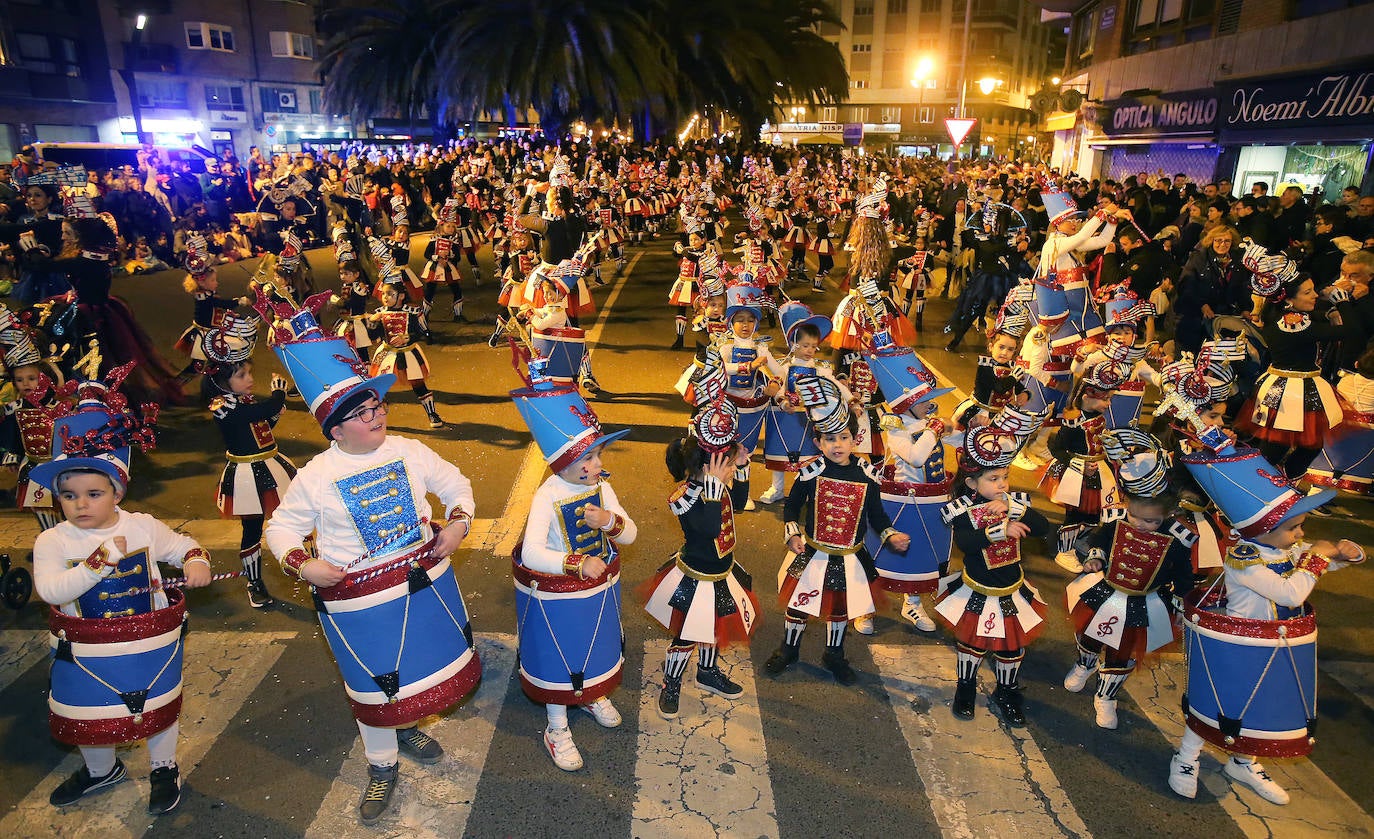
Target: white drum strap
400,649
605,595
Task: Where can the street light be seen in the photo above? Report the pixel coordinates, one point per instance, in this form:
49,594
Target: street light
988,84
925,68
140,22
127,73
1055,80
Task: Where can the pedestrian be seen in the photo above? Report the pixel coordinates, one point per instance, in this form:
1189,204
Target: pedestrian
257,475
701,595
828,572
99,568
368,572
989,606
572,541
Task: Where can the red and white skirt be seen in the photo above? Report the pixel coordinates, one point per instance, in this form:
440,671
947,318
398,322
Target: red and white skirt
1292,408
706,609
830,586
1131,624
1000,620
407,365
254,487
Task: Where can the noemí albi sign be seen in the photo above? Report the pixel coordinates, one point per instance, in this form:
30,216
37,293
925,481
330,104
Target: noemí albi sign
1185,113
1333,98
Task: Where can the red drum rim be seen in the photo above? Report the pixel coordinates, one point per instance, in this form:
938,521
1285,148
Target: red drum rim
560,332
915,490
560,583
1196,614
350,588
125,628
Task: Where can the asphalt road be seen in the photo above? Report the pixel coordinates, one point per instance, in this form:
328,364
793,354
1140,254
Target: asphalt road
266,736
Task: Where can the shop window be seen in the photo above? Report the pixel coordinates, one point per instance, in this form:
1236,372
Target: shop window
858,84
223,98
209,36
292,45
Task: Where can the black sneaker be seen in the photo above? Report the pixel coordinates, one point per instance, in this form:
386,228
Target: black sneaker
381,782
1008,701
419,746
166,790
781,659
715,681
258,597
838,665
81,784
965,699
668,697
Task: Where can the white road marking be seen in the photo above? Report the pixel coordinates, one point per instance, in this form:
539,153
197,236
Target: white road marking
221,669
1318,805
983,779
706,772
430,801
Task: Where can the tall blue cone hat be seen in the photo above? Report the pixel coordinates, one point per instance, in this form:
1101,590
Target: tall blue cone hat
1059,206
1124,308
565,428
793,314
903,378
744,298
99,433
1250,492
326,370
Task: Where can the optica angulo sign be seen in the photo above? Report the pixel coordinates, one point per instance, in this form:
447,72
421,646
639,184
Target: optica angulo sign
1186,113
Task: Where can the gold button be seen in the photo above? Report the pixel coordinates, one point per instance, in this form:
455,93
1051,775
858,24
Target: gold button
391,476
396,509
364,503
353,490
372,518
394,491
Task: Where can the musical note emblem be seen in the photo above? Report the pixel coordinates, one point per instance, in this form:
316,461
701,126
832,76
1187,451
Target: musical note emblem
1105,627
989,623
802,598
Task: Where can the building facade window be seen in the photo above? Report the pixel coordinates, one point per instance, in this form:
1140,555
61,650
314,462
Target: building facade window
926,114
41,53
890,115
863,9
158,93
859,114
861,48
828,113
209,36
931,6
858,84
896,7
223,98
280,99
292,45
316,101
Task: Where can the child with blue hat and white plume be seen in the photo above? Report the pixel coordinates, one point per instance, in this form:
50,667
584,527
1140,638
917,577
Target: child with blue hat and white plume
1268,576
381,573
570,551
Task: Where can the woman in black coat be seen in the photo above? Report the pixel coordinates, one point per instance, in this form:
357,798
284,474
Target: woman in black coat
1213,282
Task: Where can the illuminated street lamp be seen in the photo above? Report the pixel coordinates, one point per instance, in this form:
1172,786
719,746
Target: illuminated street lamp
1054,80
988,84
925,68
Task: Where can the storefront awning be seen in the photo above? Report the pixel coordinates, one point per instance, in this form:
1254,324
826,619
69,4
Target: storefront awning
820,140
1146,141
1061,121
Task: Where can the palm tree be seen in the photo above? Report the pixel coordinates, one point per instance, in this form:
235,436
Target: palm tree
384,57
593,58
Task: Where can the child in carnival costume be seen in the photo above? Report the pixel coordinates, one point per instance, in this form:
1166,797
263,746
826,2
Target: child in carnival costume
42,398
788,444
1134,563
400,348
989,606
914,482
1123,315
257,475
751,368
1269,575
691,249
202,281
439,265
702,595
379,582
353,325
99,570
555,290
572,542
828,572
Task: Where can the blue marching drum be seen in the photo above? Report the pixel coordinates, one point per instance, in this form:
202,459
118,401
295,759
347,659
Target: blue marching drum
571,646
402,640
1252,684
1346,461
1124,408
564,348
915,510
787,442
116,679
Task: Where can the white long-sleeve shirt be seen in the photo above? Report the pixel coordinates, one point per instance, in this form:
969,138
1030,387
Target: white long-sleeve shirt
546,546
315,502
1058,252
1252,592
911,447
60,575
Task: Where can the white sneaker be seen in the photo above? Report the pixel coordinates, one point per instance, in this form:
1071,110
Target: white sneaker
562,749
915,614
1077,678
864,625
1026,462
1254,777
1068,560
1106,712
749,506
772,495
603,712
1183,777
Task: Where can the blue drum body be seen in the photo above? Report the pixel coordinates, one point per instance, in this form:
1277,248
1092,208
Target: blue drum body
1252,684
788,444
915,511
571,643
564,348
1346,461
1125,405
117,679
402,641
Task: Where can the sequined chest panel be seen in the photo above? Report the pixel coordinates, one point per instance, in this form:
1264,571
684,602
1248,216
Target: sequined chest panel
998,554
839,510
381,505
1135,559
113,596
582,538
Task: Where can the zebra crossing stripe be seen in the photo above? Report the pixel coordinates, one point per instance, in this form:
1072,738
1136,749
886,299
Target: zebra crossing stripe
983,778
221,670
23,648
1318,805
706,772
430,801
